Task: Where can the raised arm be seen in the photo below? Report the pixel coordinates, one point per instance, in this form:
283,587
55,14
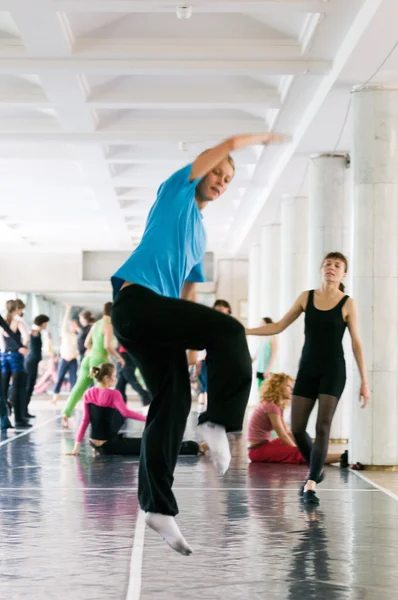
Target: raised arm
352,324
65,320
289,318
206,161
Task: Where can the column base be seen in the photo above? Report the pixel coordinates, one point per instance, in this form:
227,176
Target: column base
390,468
341,441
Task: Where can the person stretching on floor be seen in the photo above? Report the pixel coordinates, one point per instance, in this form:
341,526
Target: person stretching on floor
275,397
105,410
99,344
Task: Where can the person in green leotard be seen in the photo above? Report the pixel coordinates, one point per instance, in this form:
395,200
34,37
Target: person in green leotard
99,346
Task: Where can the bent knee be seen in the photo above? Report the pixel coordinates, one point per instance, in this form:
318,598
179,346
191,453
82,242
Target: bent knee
322,430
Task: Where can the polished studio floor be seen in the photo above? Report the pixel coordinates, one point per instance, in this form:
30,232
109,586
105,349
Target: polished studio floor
69,529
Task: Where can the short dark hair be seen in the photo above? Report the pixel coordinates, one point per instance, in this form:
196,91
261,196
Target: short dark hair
86,314
107,309
40,320
223,304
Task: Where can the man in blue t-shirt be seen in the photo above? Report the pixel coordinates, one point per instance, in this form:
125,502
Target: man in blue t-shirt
156,319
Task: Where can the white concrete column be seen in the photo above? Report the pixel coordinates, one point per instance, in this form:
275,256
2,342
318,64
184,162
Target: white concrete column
254,311
330,229
294,276
374,435
330,211
270,266
254,301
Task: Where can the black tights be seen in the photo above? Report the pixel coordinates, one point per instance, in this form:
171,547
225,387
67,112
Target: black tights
314,454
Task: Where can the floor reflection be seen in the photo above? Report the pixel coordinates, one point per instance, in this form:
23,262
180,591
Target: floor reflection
67,527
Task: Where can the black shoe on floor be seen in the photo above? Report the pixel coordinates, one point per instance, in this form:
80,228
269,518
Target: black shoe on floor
358,467
29,416
320,479
344,460
22,425
310,497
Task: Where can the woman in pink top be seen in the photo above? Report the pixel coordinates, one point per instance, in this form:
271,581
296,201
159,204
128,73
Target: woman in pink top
105,409
276,395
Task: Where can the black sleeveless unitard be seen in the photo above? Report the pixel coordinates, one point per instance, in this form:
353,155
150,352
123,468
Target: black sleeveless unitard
322,365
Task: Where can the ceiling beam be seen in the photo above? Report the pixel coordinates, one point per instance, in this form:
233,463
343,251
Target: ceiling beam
46,32
265,181
168,156
98,178
43,30
153,181
133,130
156,98
272,7
191,49
75,65
144,154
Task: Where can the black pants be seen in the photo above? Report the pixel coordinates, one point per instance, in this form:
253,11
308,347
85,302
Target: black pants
32,368
3,403
125,446
126,375
18,396
66,366
157,331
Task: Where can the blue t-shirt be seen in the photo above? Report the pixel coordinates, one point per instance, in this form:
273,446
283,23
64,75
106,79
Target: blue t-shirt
174,242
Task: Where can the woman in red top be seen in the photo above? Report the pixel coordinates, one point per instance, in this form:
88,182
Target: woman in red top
276,395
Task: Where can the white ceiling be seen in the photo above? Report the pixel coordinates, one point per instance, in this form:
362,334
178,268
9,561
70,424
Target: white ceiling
101,100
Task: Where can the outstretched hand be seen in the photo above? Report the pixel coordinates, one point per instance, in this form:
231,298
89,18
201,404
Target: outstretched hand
276,138
75,451
364,394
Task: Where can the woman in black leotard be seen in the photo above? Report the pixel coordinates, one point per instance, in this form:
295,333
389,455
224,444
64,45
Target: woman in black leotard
322,373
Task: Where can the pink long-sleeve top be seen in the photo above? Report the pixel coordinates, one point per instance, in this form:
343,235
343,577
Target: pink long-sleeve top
99,404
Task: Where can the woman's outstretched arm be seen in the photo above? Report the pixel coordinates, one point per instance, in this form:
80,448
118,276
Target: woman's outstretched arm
289,318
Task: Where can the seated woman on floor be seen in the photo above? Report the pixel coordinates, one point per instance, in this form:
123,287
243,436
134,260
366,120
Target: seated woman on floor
275,397
105,410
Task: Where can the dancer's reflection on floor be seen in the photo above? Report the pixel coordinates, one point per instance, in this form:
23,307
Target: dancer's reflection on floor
21,499
109,488
297,536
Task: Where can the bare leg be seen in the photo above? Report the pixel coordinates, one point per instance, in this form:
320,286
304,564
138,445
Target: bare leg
332,458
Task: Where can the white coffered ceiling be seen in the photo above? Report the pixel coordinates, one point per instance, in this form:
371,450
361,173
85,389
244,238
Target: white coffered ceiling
100,100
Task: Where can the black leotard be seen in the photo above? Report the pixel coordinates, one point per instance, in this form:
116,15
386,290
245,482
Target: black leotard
322,365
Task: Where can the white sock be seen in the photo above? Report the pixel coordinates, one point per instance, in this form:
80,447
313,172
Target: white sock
216,438
167,528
